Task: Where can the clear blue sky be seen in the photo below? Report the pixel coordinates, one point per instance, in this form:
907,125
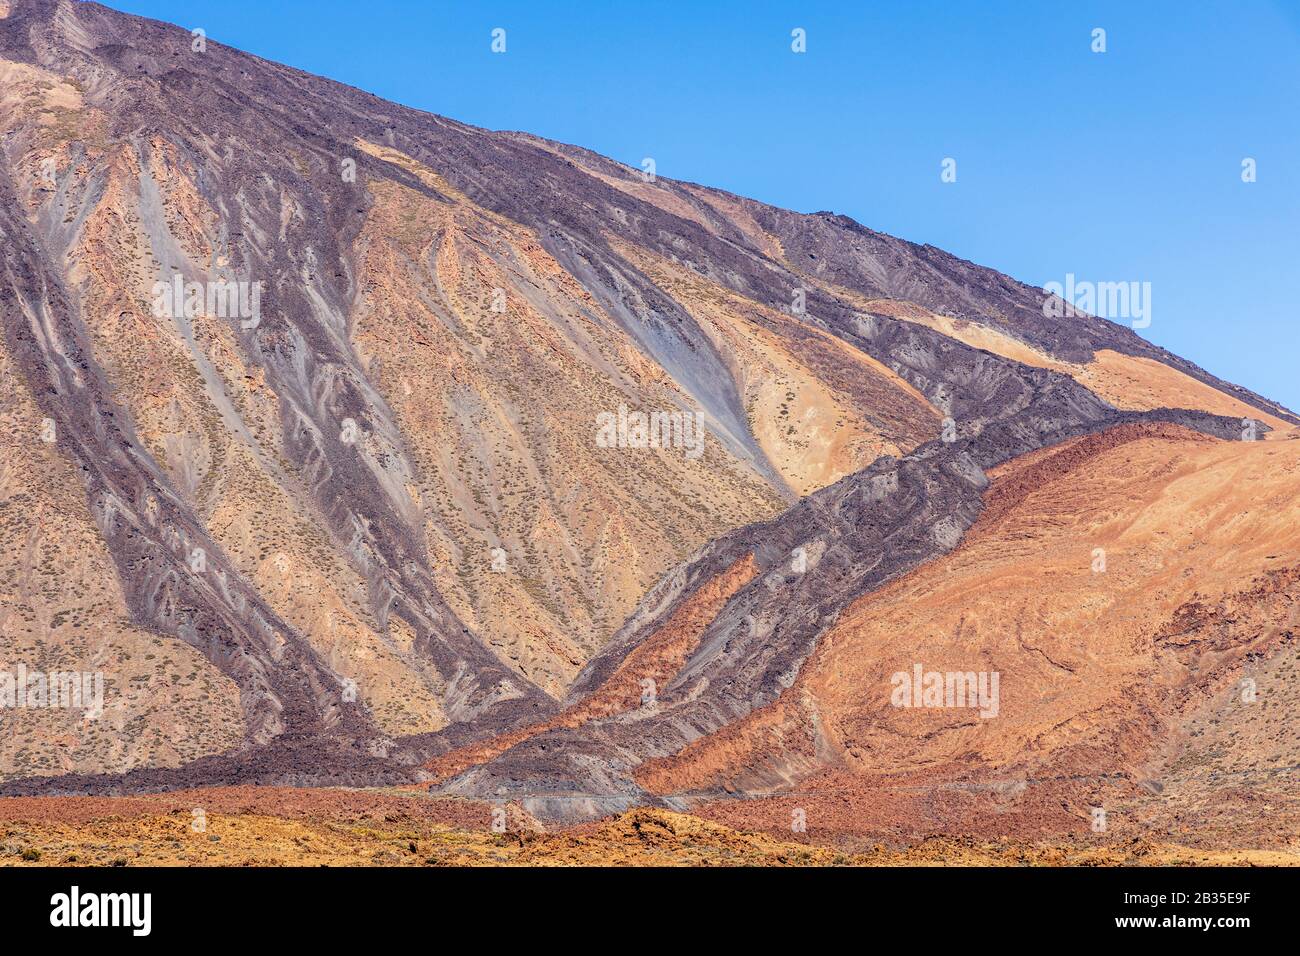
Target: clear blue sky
1121,166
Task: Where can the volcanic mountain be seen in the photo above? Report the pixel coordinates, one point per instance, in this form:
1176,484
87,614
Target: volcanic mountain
497,467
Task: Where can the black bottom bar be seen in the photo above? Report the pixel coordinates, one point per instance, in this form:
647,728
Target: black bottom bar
368,905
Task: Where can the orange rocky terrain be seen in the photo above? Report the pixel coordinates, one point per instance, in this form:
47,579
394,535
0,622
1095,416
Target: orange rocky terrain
1126,587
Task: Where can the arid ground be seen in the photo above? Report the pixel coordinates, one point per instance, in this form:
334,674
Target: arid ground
246,826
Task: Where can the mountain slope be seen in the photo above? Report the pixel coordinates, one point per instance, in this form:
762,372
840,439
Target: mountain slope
1157,683
381,509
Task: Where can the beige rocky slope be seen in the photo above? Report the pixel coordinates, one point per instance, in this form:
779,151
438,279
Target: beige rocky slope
62,610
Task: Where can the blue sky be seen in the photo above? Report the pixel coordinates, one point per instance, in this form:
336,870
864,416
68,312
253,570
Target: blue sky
1115,166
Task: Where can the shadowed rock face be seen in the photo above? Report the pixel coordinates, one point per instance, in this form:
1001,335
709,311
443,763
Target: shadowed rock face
346,460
